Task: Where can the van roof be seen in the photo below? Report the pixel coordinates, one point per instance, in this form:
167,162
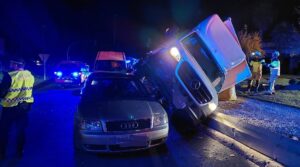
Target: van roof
111,55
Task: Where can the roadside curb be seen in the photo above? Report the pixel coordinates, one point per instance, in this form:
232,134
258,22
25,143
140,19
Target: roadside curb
268,101
279,148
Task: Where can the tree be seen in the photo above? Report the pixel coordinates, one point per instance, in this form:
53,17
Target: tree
250,42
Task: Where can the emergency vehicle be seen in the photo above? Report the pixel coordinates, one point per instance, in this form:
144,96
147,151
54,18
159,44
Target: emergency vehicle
71,73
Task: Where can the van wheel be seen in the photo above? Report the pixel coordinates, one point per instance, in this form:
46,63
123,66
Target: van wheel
184,122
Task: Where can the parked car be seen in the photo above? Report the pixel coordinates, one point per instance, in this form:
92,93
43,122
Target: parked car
71,72
116,114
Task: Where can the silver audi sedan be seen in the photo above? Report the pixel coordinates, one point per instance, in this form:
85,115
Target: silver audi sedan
117,114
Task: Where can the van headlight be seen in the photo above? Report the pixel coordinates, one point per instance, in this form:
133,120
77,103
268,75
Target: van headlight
160,119
91,125
212,106
174,52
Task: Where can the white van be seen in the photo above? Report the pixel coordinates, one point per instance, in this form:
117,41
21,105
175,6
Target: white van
110,61
191,71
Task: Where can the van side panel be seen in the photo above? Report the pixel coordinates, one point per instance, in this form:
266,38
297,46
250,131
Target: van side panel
230,27
221,42
236,75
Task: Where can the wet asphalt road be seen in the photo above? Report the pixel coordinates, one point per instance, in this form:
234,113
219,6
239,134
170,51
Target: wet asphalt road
50,144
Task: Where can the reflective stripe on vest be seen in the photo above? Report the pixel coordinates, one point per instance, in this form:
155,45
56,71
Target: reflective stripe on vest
20,89
275,69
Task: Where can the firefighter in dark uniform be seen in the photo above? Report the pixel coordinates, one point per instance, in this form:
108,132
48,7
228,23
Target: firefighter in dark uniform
16,100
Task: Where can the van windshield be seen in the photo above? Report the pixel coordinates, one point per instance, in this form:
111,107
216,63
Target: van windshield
196,48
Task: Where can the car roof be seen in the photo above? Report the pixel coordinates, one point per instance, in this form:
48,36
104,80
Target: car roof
107,74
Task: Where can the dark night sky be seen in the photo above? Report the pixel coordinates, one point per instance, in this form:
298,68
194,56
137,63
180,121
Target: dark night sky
51,26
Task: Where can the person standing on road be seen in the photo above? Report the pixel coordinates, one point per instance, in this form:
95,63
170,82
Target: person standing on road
274,71
16,93
256,69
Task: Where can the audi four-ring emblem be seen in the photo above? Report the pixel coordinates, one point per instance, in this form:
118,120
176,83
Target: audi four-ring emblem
129,125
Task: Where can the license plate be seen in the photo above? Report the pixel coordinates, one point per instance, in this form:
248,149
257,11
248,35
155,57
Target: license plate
68,81
132,140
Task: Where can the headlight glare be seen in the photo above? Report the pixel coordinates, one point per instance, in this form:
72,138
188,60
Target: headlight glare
212,106
175,53
75,74
58,73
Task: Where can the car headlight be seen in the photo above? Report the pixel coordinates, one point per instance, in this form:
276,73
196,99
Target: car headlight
160,119
75,74
58,73
91,125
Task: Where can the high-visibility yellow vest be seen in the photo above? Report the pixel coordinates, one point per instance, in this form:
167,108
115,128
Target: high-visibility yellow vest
256,66
20,89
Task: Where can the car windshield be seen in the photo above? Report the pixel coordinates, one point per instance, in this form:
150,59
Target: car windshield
114,88
194,45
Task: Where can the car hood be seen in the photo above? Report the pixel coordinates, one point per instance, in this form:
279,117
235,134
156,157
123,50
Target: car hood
119,110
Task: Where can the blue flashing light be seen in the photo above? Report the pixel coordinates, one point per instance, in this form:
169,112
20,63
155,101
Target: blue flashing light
128,61
58,73
75,74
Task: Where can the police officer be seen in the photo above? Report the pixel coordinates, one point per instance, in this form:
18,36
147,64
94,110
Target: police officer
274,71
256,68
16,93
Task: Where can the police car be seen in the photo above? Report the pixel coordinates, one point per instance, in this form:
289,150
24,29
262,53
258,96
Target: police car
71,73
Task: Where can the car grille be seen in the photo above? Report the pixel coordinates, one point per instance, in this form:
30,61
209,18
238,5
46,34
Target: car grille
194,83
128,125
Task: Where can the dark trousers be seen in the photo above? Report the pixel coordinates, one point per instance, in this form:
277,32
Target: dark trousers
14,115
